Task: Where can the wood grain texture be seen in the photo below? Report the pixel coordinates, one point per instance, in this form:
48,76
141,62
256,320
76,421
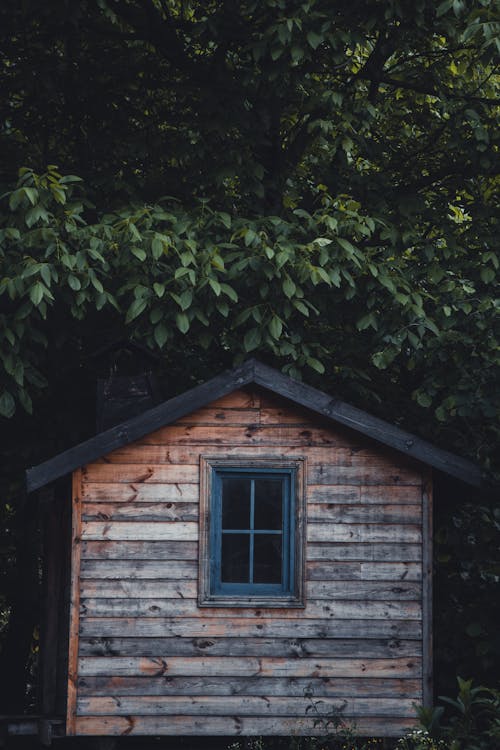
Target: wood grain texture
297,648
427,641
343,532
72,690
334,687
378,514
248,666
182,492
249,626
140,551
364,551
234,725
240,705
120,570
373,571
127,511
139,531
338,609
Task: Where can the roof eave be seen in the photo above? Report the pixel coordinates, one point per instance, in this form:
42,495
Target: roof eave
267,377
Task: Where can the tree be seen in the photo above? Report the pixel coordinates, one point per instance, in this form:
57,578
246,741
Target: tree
332,181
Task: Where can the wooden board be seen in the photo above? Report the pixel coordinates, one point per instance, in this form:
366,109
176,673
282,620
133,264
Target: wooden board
107,492
233,725
248,666
72,691
338,610
296,648
373,551
334,687
248,626
143,550
240,705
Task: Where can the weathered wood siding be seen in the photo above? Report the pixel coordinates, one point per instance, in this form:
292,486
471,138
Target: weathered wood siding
145,659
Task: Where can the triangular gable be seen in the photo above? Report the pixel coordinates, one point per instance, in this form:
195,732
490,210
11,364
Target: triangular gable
254,372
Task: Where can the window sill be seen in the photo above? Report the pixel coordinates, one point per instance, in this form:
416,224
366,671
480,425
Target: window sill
252,602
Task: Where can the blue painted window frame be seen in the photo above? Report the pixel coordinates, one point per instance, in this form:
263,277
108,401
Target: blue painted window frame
286,587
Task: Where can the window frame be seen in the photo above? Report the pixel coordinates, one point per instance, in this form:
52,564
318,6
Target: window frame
212,592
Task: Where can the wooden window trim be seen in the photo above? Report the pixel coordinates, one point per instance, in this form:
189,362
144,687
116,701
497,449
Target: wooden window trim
209,464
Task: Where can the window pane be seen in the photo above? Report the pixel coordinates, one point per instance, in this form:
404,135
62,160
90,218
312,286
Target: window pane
267,558
234,558
268,504
235,503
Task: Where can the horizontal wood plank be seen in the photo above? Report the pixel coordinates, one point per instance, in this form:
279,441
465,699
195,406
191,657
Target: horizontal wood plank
365,474
337,609
296,648
373,571
138,531
107,492
367,591
287,686
139,589
121,570
366,495
248,666
252,625
141,473
145,550
234,725
242,705
388,552
216,436
394,533
126,511
337,513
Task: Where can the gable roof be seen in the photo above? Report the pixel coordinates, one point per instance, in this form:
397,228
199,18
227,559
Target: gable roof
254,372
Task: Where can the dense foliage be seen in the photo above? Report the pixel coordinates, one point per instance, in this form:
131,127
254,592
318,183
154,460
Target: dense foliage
314,183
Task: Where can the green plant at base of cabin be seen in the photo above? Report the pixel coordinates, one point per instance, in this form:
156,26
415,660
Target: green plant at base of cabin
474,722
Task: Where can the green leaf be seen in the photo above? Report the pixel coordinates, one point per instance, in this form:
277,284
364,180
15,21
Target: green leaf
289,287
423,399
46,274
7,405
347,246
182,322
226,219
70,178
136,308
161,334
139,253
367,321
216,287
250,236
314,39
31,194
157,248
252,339
275,327
159,289
315,364
229,292
487,275
74,283
186,299
36,293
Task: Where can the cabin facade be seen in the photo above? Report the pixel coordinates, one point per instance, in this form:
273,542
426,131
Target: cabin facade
250,558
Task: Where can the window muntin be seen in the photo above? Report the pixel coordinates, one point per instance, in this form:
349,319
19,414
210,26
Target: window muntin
252,531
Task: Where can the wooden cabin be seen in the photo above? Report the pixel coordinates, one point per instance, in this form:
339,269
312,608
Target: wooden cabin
246,558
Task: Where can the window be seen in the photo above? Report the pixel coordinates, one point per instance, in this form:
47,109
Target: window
251,532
